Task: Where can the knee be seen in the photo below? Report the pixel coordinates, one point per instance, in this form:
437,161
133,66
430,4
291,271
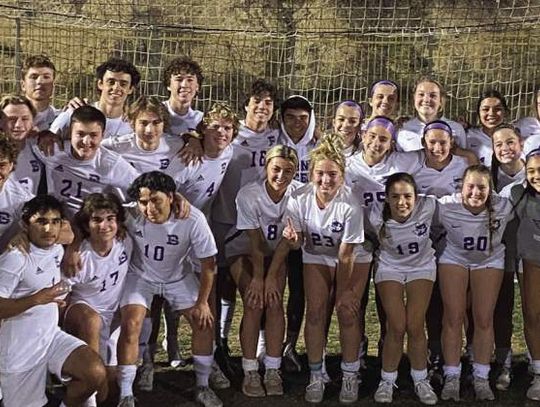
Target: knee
131,328
315,314
396,329
346,318
415,330
483,322
453,320
92,324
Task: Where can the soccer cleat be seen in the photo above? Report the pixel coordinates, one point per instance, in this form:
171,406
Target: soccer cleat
450,390
291,360
251,385
207,397
349,389
128,401
146,377
482,390
217,379
425,392
533,393
385,392
503,379
315,389
273,382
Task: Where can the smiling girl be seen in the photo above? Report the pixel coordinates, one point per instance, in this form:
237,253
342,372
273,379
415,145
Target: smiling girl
473,260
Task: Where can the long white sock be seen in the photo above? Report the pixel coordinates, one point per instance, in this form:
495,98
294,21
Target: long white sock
125,378
226,317
202,365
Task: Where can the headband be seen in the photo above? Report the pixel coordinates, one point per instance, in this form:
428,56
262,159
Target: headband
354,105
533,153
437,125
384,122
382,82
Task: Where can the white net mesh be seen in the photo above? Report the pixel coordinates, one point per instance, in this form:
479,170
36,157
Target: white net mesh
326,50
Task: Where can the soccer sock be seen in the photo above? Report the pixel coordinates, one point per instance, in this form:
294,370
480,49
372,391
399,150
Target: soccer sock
452,370
226,317
350,368
316,369
125,378
249,365
390,377
480,370
418,375
536,366
202,365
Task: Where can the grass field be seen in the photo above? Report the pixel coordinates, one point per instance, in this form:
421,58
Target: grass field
174,387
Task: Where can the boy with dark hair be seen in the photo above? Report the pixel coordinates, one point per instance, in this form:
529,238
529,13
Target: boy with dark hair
37,84
31,288
182,78
83,166
116,80
164,249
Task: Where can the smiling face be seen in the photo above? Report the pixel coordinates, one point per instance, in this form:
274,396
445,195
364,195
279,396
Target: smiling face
377,142
19,121
85,139
347,122
183,87
115,87
103,225
279,174
427,100
44,228
148,128
155,205
328,178
507,146
296,122
384,100
437,146
218,134
491,113
260,108
475,191
401,199
38,84
533,172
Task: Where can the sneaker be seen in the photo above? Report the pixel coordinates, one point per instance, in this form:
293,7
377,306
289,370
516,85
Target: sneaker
146,377
425,392
207,397
482,389
349,390
533,393
503,379
315,389
128,401
384,392
450,390
251,385
217,379
273,382
291,360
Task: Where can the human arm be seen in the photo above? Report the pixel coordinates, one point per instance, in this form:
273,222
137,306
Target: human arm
201,310
471,158
193,150
11,307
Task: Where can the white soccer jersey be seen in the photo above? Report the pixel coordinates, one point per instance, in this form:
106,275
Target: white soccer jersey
45,118
101,280
28,169
481,145
303,147
246,165
199,182
116,126
405,247
409,137
256,210
531,143
71,180
25,338
528,126
180,124
142,160
368,182
503,179
468,238
162,252
447,181
325,229
12,198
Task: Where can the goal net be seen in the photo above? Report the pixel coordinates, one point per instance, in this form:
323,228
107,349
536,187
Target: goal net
326,50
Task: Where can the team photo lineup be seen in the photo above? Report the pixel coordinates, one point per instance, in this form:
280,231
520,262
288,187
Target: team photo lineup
129,215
